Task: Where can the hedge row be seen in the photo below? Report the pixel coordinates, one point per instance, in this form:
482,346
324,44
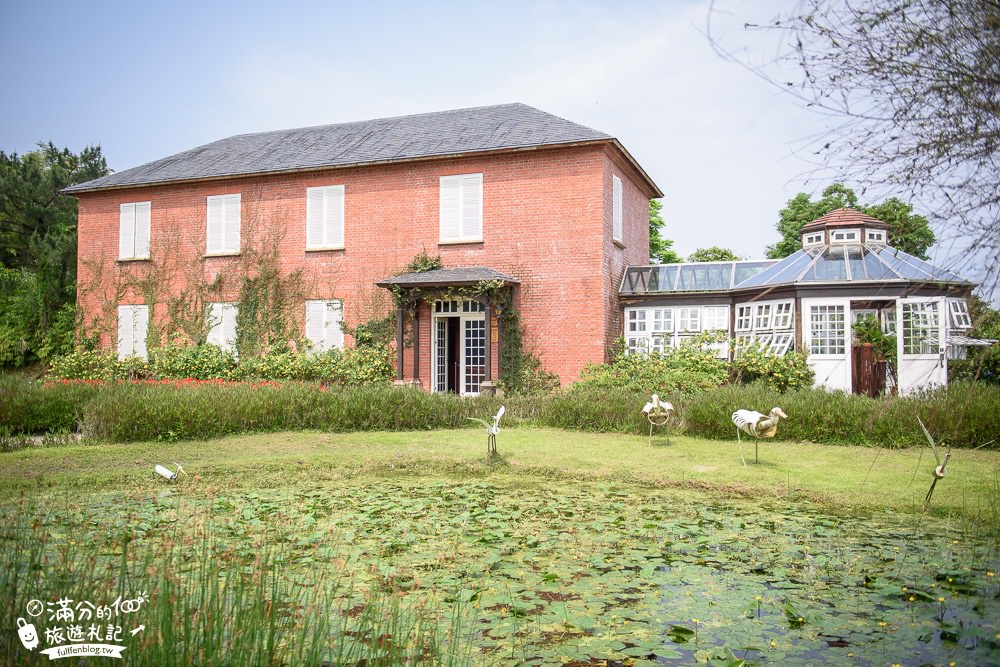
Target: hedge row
963,415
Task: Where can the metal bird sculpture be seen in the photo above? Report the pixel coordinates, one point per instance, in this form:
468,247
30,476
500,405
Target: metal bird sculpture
941,470
491,430
658,413
757,425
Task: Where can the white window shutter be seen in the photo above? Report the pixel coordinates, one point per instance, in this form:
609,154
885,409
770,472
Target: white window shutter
215,324
228,326
314,324
140,327
126,231
216,214
472,206
314,218
450,207
333,334
616,196
333,218
232,224
124,331
142,223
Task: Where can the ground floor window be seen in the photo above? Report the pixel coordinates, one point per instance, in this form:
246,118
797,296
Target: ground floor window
222,325
827,330
323,324
133,324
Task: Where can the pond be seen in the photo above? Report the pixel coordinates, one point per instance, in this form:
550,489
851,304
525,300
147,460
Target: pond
557,573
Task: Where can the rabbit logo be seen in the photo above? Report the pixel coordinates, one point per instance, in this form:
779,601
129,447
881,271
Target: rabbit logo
29,636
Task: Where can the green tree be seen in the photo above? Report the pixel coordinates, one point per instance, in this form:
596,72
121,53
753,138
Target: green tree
38,249
908,231
713,254
982,363
660,249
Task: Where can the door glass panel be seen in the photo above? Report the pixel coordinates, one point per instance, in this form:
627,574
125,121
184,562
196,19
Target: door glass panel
920,328
475,355
441,351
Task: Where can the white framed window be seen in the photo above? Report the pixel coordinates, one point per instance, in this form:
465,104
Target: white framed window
661,343
744,318
875,236
958,313
762,316
827,330
222,325
782,315
617,208
637,345
716,318
663,320
133,230
223,225
133,324
323,324
889,321
635,320
325,217
844,236
689,319
780,343
461,202
813,239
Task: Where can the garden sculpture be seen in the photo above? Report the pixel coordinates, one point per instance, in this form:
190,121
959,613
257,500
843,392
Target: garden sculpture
940,471
658,413
757,425
491,430
167,473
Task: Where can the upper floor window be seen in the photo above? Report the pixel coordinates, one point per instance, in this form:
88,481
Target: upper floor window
875,236
762,316
222,325
133,324
133,231
636,320
223,225
689,319
617,209
325,217
813,239
782,315
462,208
844,236
663,320
323,320
744,318
958,312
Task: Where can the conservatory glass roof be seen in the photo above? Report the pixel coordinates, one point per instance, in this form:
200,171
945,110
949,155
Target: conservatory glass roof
690,277
850,263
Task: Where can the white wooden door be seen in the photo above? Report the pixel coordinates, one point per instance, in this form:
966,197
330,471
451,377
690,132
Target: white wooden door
920,343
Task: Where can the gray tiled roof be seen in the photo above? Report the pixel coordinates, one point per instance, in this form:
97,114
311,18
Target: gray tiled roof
457,276
443,133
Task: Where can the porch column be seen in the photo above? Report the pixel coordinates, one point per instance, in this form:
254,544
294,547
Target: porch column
489,343
399,343
416,342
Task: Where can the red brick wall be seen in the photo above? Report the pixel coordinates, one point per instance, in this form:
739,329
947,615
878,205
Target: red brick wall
546,221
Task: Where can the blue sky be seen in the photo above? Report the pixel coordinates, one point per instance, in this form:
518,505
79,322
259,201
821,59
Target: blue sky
148,80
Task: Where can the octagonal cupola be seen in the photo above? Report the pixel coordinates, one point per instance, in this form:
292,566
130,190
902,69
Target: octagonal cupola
844,226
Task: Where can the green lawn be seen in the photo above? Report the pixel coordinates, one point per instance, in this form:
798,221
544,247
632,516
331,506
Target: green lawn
851,477
571,548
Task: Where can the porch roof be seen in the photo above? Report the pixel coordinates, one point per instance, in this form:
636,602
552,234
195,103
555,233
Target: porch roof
458,276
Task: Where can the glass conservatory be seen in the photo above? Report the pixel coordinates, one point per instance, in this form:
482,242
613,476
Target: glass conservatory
811,301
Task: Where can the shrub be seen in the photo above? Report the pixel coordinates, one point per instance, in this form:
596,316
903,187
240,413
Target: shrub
756,363
29,406
201,362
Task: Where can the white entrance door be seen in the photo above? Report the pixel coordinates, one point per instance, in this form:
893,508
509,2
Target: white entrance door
470,349
920,343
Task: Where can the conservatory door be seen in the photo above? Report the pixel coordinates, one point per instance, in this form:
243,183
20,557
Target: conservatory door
920,343
826,333
459,353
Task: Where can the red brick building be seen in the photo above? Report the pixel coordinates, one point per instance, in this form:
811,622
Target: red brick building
510,197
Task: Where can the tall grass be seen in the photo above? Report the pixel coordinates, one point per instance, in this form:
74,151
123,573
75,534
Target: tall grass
208,603
962,415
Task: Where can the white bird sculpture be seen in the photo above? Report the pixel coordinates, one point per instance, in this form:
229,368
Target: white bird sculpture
757,425
491,430
168,474
658,413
